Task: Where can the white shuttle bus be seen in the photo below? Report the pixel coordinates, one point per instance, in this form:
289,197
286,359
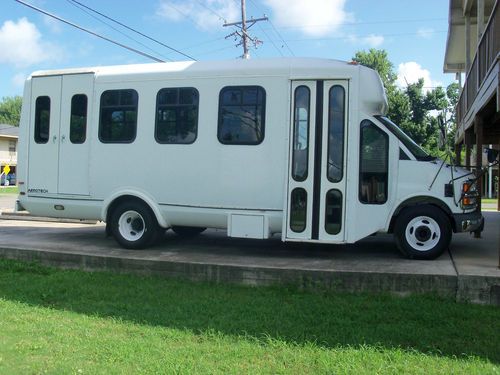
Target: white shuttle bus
295,146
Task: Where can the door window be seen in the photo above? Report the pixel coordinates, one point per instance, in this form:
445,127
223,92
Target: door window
373,164
78,120
300,154
333,214
42,119
298,210
336,116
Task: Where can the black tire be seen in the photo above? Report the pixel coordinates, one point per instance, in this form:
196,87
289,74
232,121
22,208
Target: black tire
188,231
134,225
422,232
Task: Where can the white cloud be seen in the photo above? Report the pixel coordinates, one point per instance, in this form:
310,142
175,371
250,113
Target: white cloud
425,32
206,17
312,17
372,40
22,44
411,72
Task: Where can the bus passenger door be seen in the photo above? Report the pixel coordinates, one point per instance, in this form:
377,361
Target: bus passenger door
76,100
43,140
317,162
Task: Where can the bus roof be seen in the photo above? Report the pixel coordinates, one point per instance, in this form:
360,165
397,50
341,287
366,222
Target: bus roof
295,68
372,96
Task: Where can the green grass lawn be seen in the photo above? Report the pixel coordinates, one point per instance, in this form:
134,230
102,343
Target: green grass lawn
72,322
9,190
488,200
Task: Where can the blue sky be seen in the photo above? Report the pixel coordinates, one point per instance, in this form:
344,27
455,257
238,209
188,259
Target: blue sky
412,32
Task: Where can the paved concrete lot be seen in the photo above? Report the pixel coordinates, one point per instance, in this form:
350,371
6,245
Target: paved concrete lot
7,201
468,272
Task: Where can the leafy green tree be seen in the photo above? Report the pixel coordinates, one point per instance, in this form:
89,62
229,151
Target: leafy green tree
377,59
10,110
413,109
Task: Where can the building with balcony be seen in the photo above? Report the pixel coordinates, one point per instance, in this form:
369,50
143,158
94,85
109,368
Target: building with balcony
473,48
8,152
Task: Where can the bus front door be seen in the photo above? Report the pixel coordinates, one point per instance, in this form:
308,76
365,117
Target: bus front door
317,162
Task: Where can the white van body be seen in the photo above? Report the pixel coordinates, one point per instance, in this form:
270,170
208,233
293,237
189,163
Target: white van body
248,189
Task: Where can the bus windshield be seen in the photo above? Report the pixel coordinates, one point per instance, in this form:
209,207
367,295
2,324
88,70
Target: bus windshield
417,151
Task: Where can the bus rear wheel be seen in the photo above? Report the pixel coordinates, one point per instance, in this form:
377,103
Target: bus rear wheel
422,232
134,225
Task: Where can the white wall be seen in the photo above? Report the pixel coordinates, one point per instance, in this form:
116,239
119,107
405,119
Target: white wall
7,157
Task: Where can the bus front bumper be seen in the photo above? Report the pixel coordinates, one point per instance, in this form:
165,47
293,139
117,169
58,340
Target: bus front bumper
469,222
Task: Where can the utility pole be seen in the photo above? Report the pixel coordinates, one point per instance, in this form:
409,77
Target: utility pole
242,33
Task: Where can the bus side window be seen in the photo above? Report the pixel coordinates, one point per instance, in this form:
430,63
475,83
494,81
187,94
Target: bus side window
42,119
373,164
242,112
176,115
118,116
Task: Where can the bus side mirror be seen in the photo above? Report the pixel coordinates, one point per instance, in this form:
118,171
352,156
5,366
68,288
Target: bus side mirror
492,155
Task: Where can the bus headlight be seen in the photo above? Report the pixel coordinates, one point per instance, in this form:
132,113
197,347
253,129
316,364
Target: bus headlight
470,195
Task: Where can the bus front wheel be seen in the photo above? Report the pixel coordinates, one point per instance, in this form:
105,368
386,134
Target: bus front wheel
134,225
422,232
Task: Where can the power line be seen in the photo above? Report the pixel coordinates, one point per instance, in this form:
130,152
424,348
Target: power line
134,30
272,41
211,10
89,31
76,5
284,41
275,30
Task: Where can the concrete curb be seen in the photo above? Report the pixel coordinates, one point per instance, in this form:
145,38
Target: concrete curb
478,289
340,281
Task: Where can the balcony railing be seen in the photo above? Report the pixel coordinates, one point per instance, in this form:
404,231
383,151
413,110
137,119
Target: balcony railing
485,58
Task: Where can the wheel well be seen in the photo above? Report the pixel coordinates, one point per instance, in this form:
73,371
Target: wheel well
417,201
125,198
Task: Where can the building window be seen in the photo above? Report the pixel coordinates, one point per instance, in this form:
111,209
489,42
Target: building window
12,146
300,156
176,115
336,119
241,115
373,164
118,117
78,119
42,119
